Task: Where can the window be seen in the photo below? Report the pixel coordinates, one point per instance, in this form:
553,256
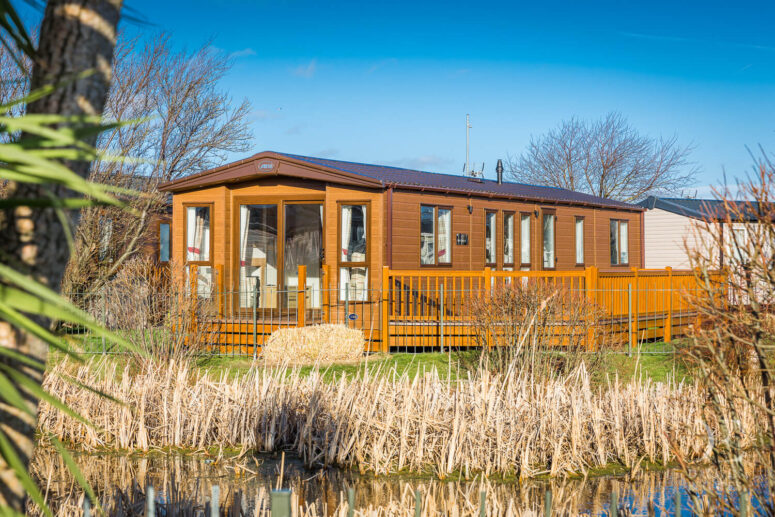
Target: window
489,238
427,236
524,239
106,235
739,244
435,236
258,268
579,240
164,242
548,231
508,239
619,243
303,235
198,242
274,241
353,253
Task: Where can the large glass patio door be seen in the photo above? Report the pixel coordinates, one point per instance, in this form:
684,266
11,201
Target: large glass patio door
265,269
303,225
258,256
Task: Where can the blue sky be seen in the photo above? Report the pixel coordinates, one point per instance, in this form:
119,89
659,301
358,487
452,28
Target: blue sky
391,82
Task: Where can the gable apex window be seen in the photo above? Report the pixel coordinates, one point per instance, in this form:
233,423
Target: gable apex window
620,245
435,235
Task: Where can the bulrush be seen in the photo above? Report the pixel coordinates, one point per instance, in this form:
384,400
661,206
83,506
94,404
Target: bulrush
509,424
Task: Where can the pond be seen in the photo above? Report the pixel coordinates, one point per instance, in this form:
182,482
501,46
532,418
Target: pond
183,485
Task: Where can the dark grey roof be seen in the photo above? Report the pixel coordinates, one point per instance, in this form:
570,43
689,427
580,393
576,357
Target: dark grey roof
385,176
397,176
711,209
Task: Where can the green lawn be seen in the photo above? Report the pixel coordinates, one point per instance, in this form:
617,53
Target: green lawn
411,364
655,363
658,367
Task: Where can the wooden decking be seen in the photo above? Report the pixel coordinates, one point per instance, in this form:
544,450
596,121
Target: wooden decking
432,310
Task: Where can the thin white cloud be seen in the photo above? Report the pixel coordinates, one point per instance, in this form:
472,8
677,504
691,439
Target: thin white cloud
307,71
294,130
267,114
680,39
245,52
381,64
328,153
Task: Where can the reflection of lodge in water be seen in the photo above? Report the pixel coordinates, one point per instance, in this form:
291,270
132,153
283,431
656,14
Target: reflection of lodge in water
284,240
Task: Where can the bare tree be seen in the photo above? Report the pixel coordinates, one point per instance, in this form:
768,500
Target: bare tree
187,125
731,349
607,158
76,36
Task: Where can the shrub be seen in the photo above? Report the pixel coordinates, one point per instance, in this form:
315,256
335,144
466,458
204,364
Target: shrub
543,327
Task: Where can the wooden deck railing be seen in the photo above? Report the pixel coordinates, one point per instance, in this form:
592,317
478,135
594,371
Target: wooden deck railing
422,307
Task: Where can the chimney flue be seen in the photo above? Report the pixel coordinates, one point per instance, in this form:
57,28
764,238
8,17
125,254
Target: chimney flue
499,171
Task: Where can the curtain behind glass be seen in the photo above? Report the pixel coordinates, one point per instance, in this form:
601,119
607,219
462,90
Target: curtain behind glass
198,234
445,236
579,241
258,255
303,247
354,237
524,238
508,239
427,235
489,238
548,240
624,242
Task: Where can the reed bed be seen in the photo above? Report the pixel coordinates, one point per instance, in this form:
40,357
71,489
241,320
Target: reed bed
385,422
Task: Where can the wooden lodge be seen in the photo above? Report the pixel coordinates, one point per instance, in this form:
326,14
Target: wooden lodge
368,243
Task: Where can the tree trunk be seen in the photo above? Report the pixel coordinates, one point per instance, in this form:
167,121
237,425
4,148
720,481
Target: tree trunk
75,36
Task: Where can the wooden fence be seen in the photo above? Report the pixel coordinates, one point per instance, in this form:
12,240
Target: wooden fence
434,309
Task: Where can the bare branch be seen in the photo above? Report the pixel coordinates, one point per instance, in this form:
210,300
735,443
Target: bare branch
606,158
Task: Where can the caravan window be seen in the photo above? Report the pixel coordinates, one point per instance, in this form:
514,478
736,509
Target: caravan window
620,244
353,252
435,235
198,243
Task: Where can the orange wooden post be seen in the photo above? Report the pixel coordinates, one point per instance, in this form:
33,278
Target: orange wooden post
193,279
636,313
324,280
301,297
590,286
669,320
384,331
487,295
219,289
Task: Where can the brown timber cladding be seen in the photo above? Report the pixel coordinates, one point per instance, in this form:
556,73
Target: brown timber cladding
406,231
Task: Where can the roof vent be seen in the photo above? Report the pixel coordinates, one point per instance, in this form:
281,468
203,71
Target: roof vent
499,171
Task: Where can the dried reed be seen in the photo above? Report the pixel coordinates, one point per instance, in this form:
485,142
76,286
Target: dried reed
322,344
387,422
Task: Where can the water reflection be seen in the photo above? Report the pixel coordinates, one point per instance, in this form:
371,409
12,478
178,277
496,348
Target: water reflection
244,484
